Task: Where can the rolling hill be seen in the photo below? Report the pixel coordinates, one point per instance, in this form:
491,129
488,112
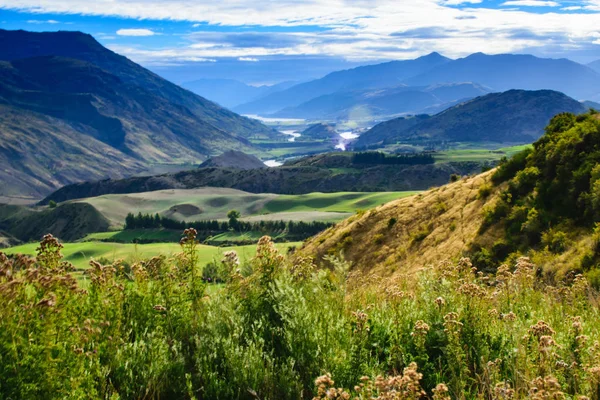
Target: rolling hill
514,71
367,77
326,173
515,116
87,113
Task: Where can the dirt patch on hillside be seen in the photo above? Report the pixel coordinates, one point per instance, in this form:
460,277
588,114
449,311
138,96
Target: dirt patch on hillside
185,210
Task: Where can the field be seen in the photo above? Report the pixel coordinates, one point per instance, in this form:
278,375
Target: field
79,254
214,203
480,155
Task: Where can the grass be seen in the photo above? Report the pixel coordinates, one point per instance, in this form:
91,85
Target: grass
341,202
214,203
478,154
79,254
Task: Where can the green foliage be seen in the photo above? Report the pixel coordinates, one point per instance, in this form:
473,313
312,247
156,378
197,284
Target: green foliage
555,183
485,190
454,178
158,331
391,222
52,204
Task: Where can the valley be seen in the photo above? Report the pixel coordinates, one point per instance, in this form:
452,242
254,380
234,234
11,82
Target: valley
390,223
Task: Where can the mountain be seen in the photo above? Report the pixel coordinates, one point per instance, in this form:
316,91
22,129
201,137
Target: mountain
515,116
511,71
230,92
381,103
64,119
233,159
595,65
22,44
367,77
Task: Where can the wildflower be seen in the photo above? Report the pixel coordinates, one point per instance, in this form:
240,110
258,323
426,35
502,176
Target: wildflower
440,302
545,388
541,329
510,317
441,392
502,390
160,308
421,329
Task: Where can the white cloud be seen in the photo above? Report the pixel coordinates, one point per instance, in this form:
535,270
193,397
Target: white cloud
250,59
531,3
135,32
459,2
572,8
356,29
49,21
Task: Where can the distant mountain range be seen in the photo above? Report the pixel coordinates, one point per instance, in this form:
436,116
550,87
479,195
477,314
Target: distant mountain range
595,65
72,110
230,92
384,75
397,87
515,116
381,103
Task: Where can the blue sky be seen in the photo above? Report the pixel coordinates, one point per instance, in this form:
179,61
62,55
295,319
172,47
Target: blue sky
274,40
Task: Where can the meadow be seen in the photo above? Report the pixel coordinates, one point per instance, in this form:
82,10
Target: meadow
80,254
281,328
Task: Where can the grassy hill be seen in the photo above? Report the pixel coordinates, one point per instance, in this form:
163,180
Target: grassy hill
233,159
214,203
69,221
542,203
515,116
328,173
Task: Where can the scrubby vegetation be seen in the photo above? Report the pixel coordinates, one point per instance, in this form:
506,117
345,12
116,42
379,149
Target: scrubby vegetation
552,192
282,329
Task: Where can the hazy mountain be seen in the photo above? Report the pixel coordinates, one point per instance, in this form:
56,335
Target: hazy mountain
230,92
381,103
320,131
515,116
65,119
595,65
509,71
591,104
22,44
371,76
233,159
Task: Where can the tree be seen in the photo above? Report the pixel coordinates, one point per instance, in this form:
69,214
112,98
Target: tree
52,204
234,216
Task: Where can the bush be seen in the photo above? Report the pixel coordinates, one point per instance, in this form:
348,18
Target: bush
556,241
52,204
485,190
454,178
391,222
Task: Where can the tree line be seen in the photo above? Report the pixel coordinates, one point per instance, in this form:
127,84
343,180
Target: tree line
377,157
213,227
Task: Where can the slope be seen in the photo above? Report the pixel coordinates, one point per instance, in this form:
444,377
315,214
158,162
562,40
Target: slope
543,203
233,159
515,116
372,76
595,65
22,44
136,126
511,71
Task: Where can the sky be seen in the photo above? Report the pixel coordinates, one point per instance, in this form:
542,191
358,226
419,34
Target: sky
269,41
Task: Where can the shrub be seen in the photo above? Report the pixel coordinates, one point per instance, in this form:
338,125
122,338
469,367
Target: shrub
52,204
454,178
378,239
556,241
484,191
391,222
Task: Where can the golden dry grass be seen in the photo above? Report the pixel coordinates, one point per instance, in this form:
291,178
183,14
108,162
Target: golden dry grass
430,228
